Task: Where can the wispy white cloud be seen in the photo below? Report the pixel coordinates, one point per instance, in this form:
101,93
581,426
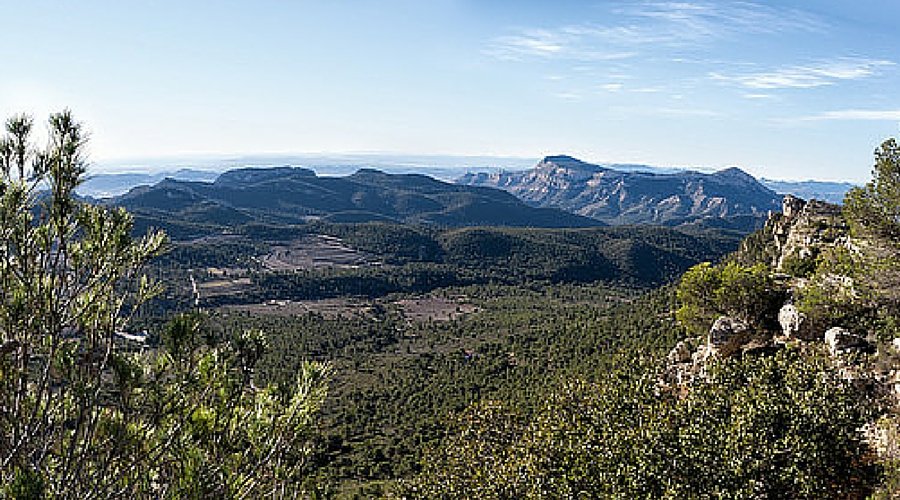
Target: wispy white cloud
807,76
758,97
653,25
856,114
646,90
568,96
688,112
541,43
611,87
548,44
713,19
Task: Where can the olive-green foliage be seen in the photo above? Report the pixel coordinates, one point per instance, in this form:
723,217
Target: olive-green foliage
218,433
67,284
397,382
707,291
86,414
486,434
780,426
874,216
801,267
837,293
875,208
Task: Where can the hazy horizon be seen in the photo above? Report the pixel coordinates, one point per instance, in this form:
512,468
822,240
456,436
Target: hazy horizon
444,167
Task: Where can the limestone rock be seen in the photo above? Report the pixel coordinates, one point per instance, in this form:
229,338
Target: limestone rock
627,197
727,336
805,228
840,341
702,354
791,206
794,323
681,353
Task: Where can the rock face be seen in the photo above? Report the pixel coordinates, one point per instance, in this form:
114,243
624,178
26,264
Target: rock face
791,206
628,197
794,324
840,341
802,231
681,353
728,335
804,228
685,361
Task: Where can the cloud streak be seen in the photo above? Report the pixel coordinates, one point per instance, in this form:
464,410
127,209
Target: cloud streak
546,44
708,20
857,115
807,76
651,25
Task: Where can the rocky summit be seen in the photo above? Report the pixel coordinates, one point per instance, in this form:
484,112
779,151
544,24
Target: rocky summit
637,197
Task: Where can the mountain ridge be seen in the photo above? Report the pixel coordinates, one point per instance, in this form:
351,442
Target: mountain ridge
634,197
291,195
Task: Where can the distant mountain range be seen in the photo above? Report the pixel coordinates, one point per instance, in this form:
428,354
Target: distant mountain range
115,184
832,192
560,191
109,183
636,196
287,195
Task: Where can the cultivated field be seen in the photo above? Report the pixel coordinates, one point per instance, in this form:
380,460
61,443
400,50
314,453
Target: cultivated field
314,251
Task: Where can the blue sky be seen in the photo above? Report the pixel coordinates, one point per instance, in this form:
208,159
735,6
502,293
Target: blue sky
786,89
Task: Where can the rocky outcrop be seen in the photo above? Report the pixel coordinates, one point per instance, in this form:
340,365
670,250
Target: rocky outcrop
791,241
637,197
728,335
685,361
794,324
803,229
679,354
791,206
841,342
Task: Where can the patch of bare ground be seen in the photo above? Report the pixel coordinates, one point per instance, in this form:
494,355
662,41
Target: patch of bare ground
430,308
225,272
220,287
314,251
328,308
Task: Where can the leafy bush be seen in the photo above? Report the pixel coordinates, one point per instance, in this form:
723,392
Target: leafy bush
875,208
780,426
748,293
85,413
801,267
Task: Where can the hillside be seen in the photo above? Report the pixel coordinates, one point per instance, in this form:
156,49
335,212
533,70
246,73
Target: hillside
296,195
636,197
319,260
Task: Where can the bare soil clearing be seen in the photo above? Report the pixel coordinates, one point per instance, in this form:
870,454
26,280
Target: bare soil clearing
312,252
435,308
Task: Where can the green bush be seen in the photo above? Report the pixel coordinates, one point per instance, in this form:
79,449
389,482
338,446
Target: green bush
748,293
779,426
